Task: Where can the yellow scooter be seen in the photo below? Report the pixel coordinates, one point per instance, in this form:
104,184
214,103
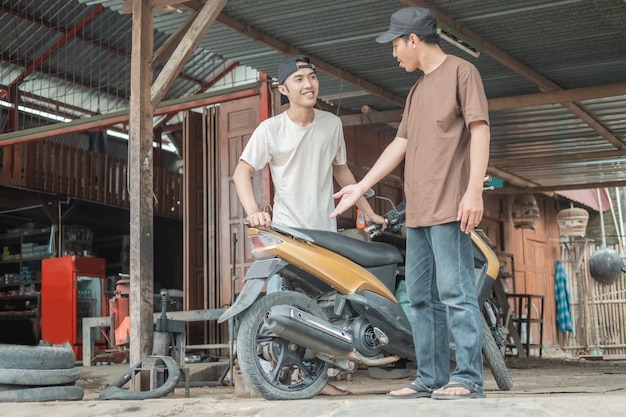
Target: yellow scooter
336,309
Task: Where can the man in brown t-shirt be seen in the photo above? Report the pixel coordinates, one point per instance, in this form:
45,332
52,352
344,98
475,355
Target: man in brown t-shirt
444,140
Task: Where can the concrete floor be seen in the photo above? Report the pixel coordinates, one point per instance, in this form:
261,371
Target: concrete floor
543,387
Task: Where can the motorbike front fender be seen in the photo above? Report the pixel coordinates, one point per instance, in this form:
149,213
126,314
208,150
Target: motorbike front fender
255,279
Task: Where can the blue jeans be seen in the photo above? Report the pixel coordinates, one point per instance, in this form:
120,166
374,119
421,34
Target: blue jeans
441,289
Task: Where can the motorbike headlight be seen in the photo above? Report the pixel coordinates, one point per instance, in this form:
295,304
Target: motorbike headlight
261,243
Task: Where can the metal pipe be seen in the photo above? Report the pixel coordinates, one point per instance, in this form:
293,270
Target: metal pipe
601,218
618,197
617,232
21,209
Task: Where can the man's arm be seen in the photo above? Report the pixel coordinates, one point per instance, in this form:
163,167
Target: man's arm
344,177
471,208
387,161
242,177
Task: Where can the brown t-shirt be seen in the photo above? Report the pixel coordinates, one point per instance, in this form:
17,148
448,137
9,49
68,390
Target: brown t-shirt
436,119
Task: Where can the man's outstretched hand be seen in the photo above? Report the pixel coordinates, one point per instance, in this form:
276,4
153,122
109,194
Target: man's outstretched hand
349,196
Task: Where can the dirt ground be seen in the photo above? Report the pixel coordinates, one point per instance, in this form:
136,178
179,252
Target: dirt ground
542,387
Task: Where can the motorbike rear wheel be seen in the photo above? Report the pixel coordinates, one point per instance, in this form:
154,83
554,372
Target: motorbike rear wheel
495,360
271,365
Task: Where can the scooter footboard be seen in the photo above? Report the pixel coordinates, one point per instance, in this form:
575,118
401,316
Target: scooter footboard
388,317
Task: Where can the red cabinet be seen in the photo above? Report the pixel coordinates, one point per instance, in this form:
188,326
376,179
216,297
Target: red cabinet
72,287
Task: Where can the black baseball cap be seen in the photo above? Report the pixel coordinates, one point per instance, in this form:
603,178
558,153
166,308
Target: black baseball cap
290,65
410,20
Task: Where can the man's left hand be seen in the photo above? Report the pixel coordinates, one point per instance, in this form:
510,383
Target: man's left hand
470,211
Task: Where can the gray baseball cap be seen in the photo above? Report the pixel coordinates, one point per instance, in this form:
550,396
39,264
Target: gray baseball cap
290,65
410,20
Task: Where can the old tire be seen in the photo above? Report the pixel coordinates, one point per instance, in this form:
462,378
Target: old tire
271,365
36,357
39,377
495,360
61,393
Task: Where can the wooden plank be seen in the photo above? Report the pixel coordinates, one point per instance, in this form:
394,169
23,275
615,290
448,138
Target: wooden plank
41,164
122,179
615,357
101,168
91,192
48,169
84,174
63,166
193,234
556,97
170,44
73,173
30,169
6,162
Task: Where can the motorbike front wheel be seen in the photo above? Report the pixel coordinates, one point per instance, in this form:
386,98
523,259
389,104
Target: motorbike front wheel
495,360
272,366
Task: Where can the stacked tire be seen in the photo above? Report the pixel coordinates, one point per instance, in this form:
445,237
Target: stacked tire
38,373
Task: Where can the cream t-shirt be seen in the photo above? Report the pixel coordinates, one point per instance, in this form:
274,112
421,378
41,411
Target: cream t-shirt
301,163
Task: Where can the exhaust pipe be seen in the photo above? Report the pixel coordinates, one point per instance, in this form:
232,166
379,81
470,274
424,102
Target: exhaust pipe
308,331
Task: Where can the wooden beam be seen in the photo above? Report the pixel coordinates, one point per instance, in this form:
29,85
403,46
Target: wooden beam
170,44
185,48
562,187
553,159
505,103
557,97
595,125
140,163
163,3
510,178
127,5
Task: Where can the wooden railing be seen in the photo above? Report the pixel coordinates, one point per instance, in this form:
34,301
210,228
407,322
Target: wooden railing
62,169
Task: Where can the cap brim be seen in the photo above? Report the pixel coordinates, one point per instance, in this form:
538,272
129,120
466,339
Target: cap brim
387,37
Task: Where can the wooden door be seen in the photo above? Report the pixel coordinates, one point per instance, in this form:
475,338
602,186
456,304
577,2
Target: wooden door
196,264
540,280
237,121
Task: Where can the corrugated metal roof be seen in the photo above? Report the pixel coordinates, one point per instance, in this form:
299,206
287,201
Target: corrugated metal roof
527,46
597,199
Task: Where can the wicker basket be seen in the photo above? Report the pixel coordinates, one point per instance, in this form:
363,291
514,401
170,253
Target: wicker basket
572,221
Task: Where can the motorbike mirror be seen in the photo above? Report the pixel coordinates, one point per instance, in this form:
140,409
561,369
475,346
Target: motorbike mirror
369,194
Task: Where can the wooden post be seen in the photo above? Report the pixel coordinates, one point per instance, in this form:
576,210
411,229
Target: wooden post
141,184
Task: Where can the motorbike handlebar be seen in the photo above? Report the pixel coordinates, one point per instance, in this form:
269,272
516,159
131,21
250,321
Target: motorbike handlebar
373,229
394,219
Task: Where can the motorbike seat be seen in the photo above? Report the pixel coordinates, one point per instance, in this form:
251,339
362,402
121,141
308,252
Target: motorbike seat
367,254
